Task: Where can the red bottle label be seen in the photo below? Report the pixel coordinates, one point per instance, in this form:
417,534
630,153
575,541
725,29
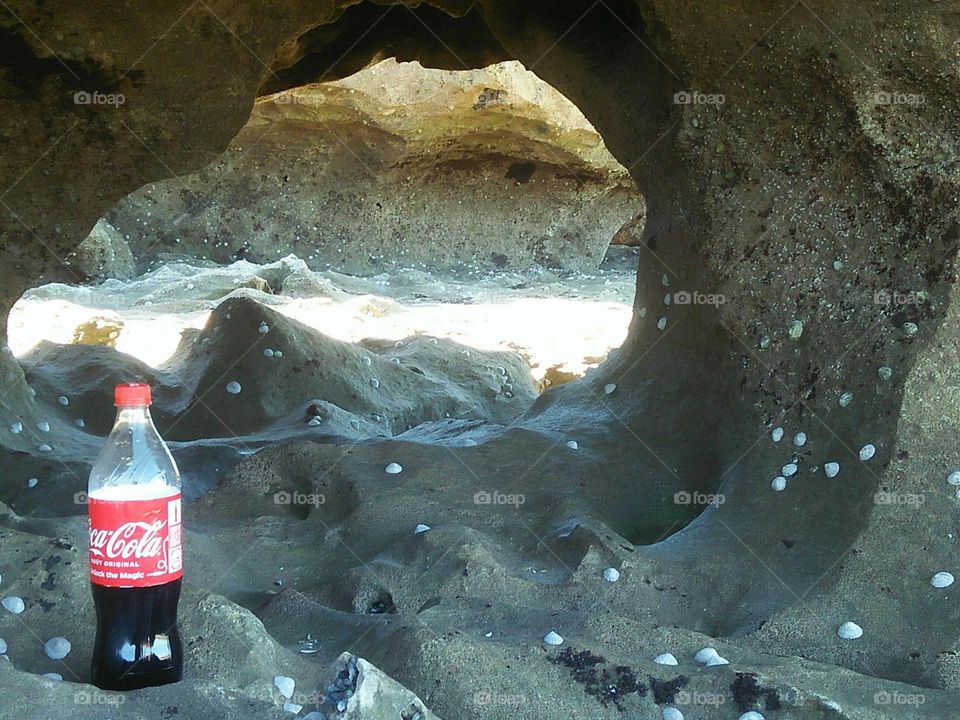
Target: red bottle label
135,543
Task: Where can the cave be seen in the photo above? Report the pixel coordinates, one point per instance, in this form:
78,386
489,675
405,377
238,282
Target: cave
712,475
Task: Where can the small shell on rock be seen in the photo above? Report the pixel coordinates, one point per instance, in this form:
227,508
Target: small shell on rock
44,448
764,342
3,646
611,574
954,477
264,328
795,330
751,715
705,654
233,387
671,713
393,469
56,677
13,604
661,323
268,352
609,388
551,638
16,428
56,648
314,421
285,685
292,707
909,329
845,399
43,426
366,360
942,580
374,383
779,483
831,469
277,354
421,528
32,482
777,434
63,400
716,660
789,470
867,452
572,444
837,265
800,439
355,424
665,280
79,423
666,659
849,631
885,372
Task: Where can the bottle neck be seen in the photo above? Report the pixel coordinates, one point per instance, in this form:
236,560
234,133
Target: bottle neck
133,414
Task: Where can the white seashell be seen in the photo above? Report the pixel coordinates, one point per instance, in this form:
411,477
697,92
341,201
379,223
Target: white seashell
661,323
909,329
716,661
764,342
705,654
671,713
32,482
942,580
421,528
285,685
314,421
277,354
789,470
56,677
850,631
777,434
374,383
665,280
366,360
572,444
642,312
751,715
885,372
795,330
3,646
268,352
56,648
551,638
355,424
609,388
666,299
831,469
779,483
264,328
16,428
800,439
954,477
79,423
393,469
63,400
13,604
43,426
666,659
611,574
845,398
867,452
233,387
44,448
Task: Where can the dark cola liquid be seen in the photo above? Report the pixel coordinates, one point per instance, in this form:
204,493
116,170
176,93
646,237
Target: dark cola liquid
137,642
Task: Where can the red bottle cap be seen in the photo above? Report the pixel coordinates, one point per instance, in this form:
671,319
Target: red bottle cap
132,395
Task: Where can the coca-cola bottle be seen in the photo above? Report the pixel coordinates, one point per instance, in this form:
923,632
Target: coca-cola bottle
136,554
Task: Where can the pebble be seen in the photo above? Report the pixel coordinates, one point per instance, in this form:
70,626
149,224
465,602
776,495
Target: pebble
764,342
13,604
942,580
277,354
705,654
56,677
233,387
795,330
314,421
666,299
671,713
867,452
551,638
751,715
56,648
789,470
779,483
665,280
44,448
846,398
777,434
16,428
79,422
32,482
885,372
393,469
264,328
268,352
800,439
849,631
43,426
661,323
611,574
421,528
285,685
666,659
909,329
837,265
63,400
374,383
831,469
609,388
717,660
572,444
954,477
292,708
